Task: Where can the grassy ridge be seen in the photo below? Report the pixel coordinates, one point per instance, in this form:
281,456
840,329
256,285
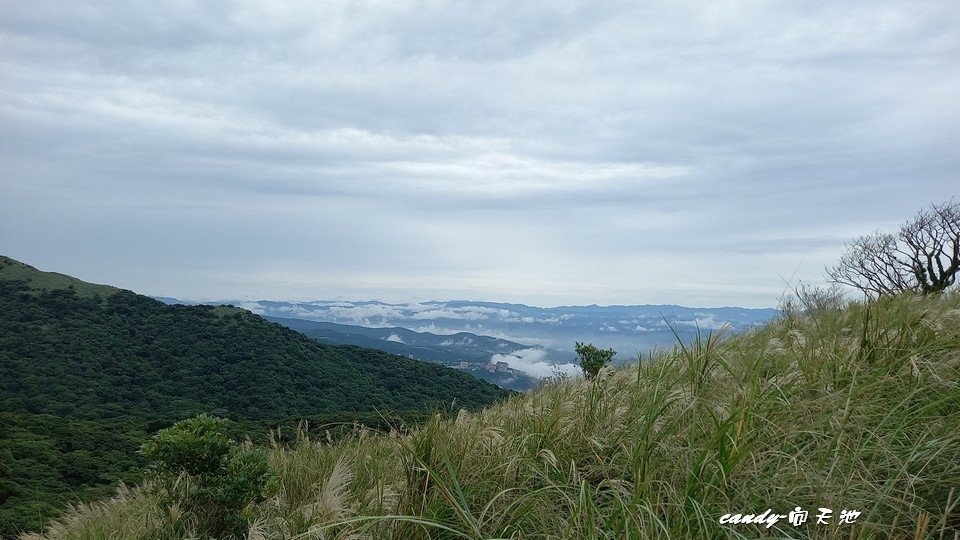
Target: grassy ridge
37,281
851,408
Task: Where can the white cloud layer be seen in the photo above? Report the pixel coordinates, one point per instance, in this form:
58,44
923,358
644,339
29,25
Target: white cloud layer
533,363
546,153
706,321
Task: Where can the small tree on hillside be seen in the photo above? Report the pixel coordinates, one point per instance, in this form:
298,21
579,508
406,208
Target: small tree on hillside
593,359
923,256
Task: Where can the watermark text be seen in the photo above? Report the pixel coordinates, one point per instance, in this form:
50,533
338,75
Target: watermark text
796,517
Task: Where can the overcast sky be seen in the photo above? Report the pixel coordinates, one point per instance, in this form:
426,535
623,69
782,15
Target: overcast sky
547,153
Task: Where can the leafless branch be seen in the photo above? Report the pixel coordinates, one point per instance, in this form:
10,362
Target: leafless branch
924,256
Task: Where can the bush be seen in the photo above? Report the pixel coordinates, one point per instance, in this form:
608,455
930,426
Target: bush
592,359
208,476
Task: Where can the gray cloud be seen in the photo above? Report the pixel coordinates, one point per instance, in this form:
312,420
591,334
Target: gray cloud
549,153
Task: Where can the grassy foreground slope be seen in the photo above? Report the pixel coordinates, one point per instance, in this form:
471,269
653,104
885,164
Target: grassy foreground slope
847,409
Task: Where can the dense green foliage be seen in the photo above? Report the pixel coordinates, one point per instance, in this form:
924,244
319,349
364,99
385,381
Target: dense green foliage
46,460
207,476
851,408
131,355
87,371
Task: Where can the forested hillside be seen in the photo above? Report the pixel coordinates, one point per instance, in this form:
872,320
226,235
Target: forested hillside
86,371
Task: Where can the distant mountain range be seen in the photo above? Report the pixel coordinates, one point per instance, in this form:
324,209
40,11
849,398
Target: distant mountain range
531,339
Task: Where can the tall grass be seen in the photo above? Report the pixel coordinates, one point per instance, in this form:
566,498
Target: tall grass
854,408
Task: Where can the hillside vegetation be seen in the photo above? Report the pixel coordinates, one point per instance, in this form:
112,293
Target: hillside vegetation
36,281
849,409
88,371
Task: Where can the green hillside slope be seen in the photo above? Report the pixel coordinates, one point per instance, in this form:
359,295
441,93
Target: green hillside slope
37,281
850,410
128,354
125,363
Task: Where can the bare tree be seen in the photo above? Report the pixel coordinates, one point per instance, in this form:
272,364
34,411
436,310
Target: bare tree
932,247
924,256
805,298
